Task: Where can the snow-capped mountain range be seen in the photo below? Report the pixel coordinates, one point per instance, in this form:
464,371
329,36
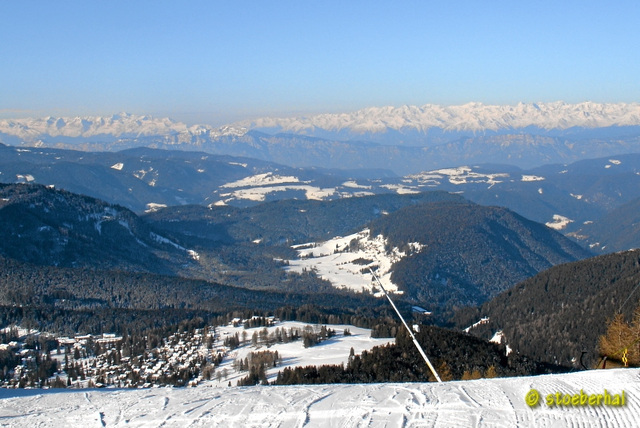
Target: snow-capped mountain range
475,117
402,140
122,125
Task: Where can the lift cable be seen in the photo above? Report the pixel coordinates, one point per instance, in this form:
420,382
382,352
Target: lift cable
415,341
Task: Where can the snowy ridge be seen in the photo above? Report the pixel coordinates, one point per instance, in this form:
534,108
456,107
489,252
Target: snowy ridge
479,403
469,117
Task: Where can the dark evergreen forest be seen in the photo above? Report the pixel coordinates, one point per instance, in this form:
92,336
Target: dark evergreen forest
558,315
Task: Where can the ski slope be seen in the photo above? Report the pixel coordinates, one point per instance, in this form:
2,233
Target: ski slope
478,403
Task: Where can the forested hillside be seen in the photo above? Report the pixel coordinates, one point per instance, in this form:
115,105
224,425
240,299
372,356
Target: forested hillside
88,300
469,252
560,313
46,226
289,221
618,230
454,355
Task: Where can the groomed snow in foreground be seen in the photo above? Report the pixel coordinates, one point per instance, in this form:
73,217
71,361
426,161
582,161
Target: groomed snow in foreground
479,403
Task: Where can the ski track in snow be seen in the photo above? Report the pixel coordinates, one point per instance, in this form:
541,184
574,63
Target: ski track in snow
479,403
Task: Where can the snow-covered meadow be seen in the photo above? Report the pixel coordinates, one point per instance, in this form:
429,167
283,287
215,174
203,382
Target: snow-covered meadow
478,403
345,261
334,350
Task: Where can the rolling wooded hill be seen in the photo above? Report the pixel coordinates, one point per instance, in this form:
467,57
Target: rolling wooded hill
561,312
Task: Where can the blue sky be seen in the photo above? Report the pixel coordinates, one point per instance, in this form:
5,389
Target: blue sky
219,61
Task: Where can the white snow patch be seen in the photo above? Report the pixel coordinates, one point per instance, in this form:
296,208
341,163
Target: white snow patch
193,254
540,190
559,222
578,197
615,161
153,207
498,338
354,185
259,194
161,239
474,325
142,173
319,194
400,189
118,166
244,165
266,179
532,178
25,178
459,175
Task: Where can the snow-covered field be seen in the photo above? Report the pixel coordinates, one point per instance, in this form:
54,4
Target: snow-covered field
331,351
559,222
344,261
478,403
458,176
